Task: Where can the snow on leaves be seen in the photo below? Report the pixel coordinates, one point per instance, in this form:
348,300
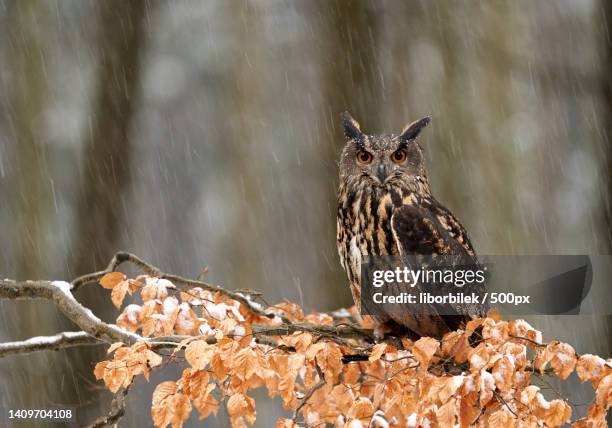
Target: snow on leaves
480,375
127,363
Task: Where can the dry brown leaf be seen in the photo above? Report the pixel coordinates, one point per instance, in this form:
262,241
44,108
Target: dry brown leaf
285,423
486,385
351,373
590,367
155,288
474,324
557,413
447,414
111,279
377,351
424,349
219,366
563,359
318,318
163,391
153,359
361,409
180,408
313,350
501,418
187,322
290,310
241,410
245,364
194,382
342,398
603,394
115,375
114,347
99,369
299,341
199,354
503,373
128,319
330,361
118,293
495,332
206,403
480,357
468,410
168,406
449,341
596,418
158,325
522,328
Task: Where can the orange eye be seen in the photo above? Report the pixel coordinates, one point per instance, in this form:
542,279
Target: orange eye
398,156
364,157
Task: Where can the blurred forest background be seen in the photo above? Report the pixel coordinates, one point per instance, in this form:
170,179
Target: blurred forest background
206,133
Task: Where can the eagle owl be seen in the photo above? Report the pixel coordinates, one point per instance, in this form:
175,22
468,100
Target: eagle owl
385,208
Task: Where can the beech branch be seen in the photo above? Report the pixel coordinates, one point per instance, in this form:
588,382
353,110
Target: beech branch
95,331
60,293
116,412
67,339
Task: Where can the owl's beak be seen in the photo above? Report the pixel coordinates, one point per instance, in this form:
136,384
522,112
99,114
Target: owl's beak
382,172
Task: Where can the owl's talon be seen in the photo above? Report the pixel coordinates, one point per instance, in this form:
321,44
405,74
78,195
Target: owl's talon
380,331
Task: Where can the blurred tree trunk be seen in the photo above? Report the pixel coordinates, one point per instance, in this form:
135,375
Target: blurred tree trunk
472,115
606,132
29,89
243,104
106,164
351,79
105,173
31,201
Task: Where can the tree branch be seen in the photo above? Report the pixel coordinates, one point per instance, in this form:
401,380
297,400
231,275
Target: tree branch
125,257
60,293
310,393
95,331
116,412
63,340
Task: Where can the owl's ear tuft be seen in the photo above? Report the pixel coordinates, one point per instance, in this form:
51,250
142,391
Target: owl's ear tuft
352,130
411,131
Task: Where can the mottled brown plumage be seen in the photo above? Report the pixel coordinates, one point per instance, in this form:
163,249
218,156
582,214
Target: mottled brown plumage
385,207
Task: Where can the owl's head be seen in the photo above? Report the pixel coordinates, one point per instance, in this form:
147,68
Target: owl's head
382,159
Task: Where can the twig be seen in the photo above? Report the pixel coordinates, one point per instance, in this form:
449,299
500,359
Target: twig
310,393
317,329
116,412
124,257
538,344
503,402
332,333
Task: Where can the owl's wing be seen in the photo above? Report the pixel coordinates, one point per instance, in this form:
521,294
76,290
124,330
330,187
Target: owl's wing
430,229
